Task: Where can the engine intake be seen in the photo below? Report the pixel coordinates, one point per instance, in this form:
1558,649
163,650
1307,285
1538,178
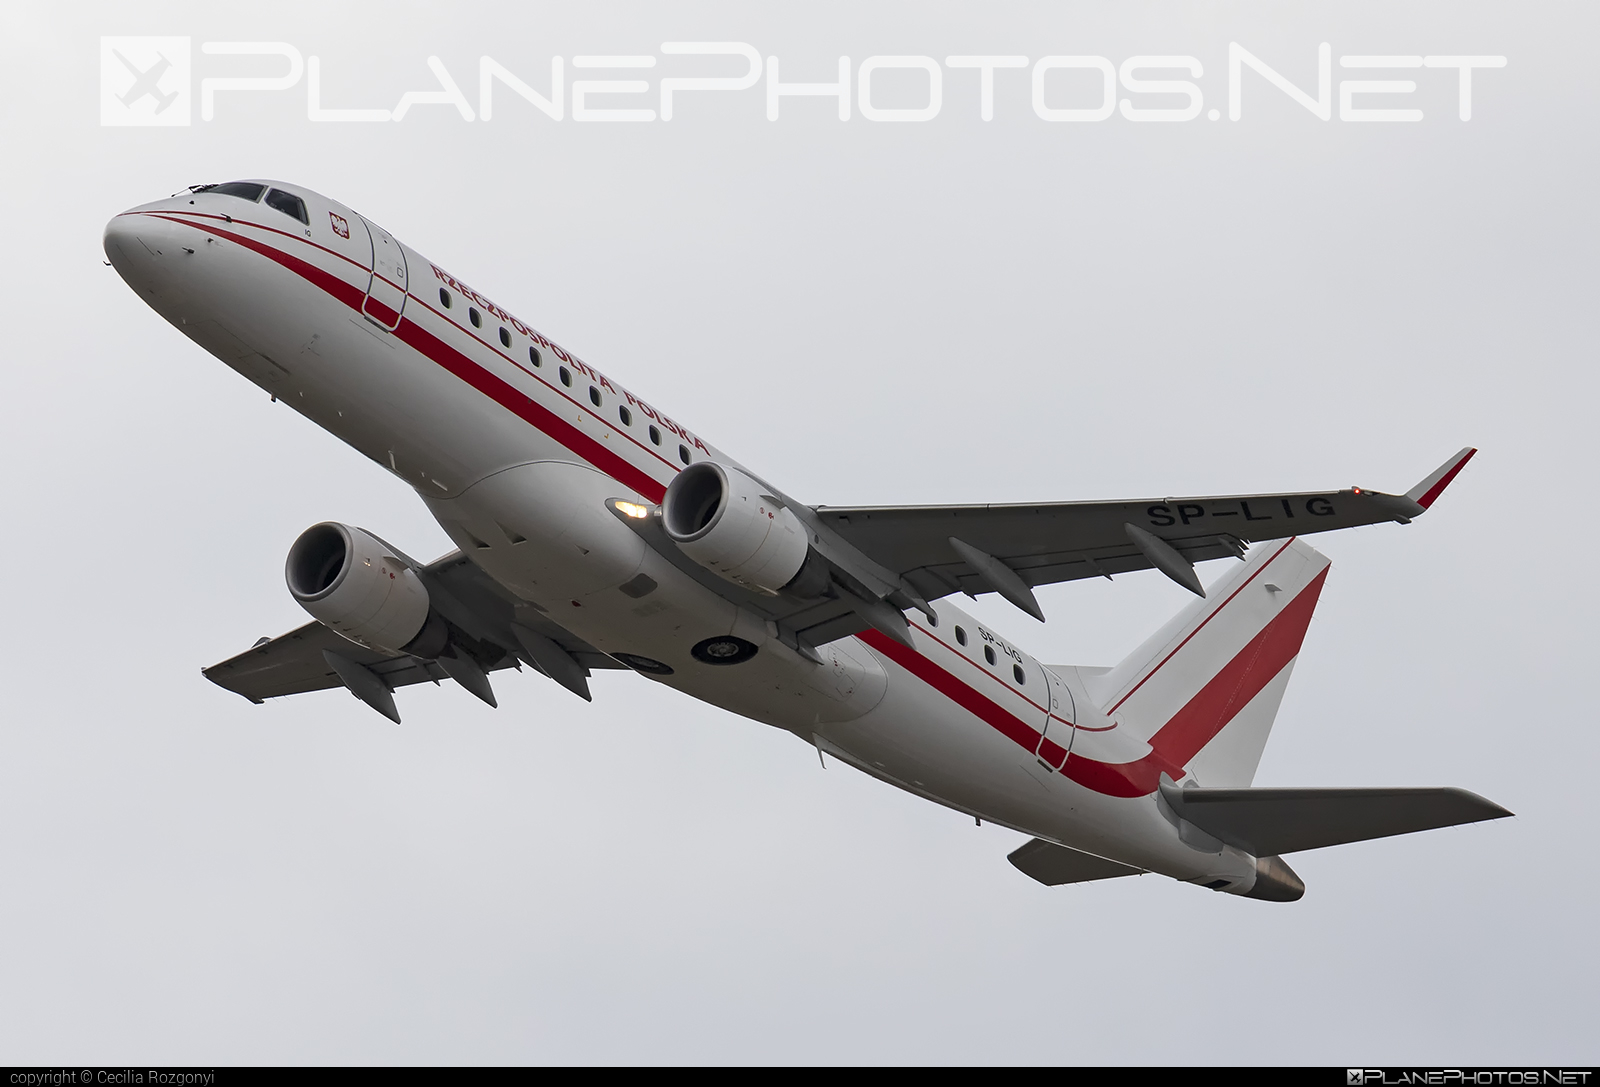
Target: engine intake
720,518
353,583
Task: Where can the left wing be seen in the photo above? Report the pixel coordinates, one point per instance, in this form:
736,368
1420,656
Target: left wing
1008,549
292,663
482,615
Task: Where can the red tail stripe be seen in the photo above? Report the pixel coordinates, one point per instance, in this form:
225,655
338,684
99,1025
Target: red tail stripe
1202,625
1231,689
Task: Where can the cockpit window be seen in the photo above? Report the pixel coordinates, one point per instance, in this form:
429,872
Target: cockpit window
289,204
247,190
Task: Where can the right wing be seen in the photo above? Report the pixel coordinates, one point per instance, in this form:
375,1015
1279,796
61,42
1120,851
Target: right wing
477,606
882,560
939,550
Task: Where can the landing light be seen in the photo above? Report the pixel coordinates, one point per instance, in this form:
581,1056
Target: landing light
629,509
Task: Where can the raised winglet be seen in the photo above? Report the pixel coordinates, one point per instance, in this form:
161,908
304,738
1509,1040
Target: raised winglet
1424,493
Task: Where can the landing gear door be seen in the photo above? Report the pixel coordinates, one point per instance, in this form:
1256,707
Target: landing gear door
386,294
1056,741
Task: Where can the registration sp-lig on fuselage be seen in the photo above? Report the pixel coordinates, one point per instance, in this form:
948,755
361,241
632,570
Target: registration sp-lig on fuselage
595,531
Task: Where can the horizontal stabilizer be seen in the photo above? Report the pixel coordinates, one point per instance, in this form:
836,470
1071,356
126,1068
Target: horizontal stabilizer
1267,822
1053,865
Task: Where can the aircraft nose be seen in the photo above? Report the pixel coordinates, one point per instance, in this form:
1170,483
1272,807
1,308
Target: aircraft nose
135,244
118,233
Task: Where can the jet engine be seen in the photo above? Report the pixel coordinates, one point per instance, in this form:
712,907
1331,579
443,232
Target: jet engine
720,518
354,583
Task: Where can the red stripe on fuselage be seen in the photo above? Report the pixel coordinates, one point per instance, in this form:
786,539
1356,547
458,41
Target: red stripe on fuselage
347,293
419,301
525,407
463,367
1177,741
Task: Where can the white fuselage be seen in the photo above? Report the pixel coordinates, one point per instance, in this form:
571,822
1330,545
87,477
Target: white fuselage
517,446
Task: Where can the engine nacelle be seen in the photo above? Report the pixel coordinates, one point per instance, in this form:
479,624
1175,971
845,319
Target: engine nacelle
353,583
719,517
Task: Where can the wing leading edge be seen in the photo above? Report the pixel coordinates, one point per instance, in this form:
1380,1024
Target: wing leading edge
941,550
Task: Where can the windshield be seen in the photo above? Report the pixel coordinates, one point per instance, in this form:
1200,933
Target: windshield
289,204
246,190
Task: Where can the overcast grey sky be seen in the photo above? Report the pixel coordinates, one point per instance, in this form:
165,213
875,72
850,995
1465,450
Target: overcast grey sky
950,311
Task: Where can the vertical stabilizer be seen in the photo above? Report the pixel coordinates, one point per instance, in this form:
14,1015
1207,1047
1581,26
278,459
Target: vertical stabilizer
1205,688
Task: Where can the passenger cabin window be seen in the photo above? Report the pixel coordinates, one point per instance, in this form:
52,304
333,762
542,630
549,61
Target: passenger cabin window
444,298
961,636
988,653
683,453
474,316
625,415
505,337
244,190
655,436
594,396
533,356
566,377
290,204
1017,672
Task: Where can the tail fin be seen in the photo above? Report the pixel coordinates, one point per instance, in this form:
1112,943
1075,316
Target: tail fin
1204,689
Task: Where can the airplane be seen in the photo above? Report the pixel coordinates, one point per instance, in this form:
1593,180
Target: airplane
147,84
593,531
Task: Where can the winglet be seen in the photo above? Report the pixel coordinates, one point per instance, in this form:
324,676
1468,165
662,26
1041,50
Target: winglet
1424,493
